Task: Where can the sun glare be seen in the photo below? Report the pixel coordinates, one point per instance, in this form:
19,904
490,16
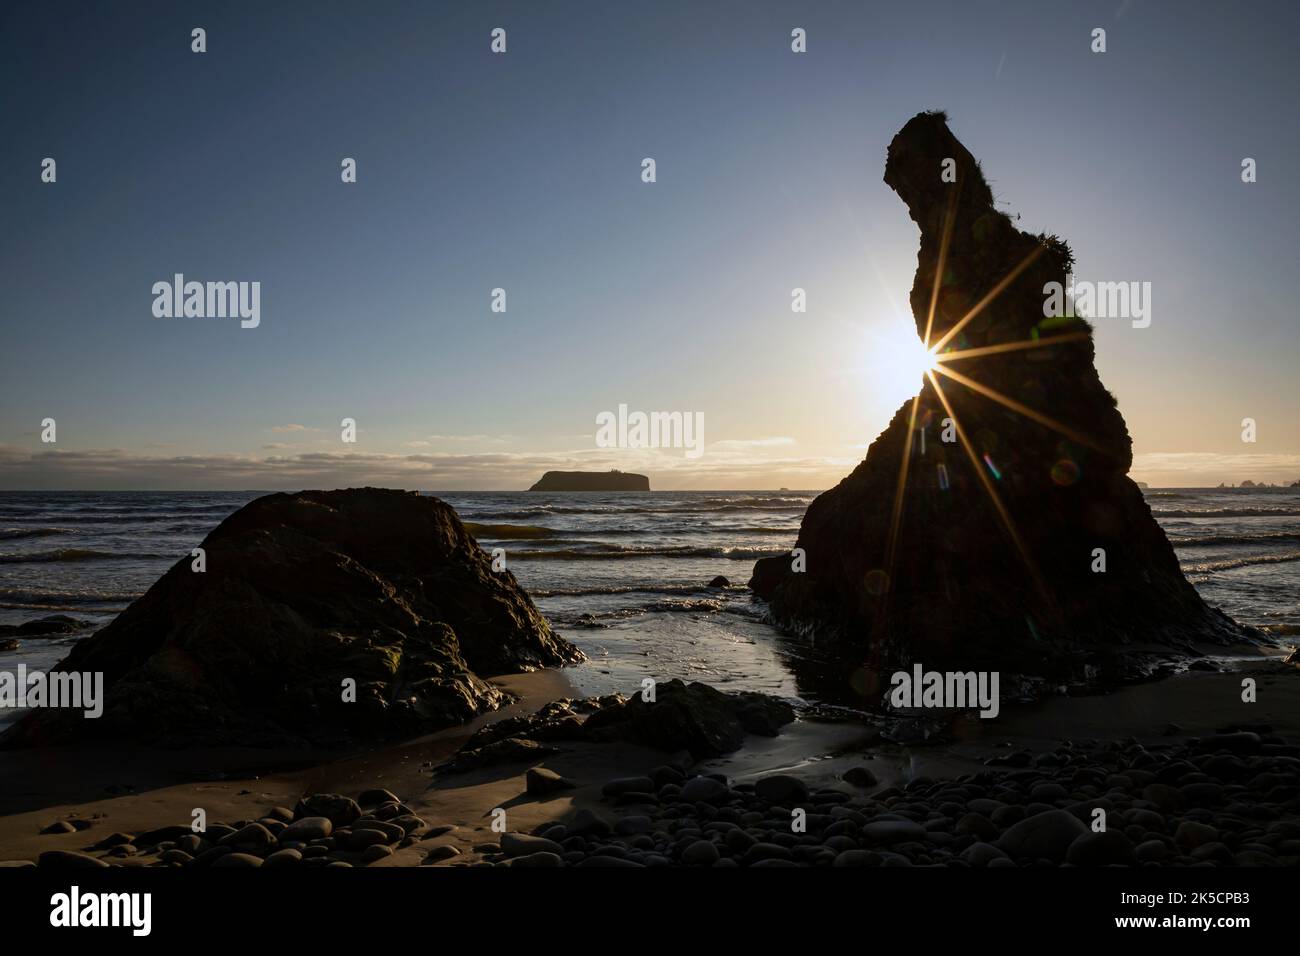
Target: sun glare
896,362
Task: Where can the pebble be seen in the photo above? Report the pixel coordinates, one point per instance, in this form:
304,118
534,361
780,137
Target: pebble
982,854
700,853
283,858
860,777
628,785
254,836
539,781
1045,835
522,844
365,837
1191,834
444,852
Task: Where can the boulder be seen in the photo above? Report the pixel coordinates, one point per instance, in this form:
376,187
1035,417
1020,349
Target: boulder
301,593
972,548
693,717
52,625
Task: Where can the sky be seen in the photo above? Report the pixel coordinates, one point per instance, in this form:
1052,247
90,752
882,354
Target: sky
523,171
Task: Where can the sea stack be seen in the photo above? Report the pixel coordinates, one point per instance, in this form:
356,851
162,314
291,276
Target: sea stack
591,481
992,525
295,596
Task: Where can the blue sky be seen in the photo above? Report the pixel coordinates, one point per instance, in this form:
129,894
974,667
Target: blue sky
522,171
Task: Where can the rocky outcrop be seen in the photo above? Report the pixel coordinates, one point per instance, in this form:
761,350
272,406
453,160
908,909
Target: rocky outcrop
591,481
53,625
980,548
301,593
693,717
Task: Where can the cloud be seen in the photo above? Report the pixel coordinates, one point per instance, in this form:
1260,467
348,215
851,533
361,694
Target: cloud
117,469
496,439
293,428
753,442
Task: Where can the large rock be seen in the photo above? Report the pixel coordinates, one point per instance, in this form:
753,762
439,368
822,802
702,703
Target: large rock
300,592
591,481
693,717
53,625
990,562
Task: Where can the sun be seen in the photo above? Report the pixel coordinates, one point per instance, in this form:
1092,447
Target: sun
895,362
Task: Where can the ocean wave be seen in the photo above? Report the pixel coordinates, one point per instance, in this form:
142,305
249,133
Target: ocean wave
1229,513
522,514
509,532
146,507
108,611
615,589
7,534
22,597
610,552
600,619
1228,564
1219,539
78,554
686,508
90,521
506,532
758,502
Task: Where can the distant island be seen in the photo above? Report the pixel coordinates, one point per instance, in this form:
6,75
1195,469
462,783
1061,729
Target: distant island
591,481
1260,484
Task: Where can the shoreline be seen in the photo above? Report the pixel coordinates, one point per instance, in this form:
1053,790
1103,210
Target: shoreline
72,787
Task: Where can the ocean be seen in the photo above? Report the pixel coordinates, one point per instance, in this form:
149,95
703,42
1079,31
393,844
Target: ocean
624,576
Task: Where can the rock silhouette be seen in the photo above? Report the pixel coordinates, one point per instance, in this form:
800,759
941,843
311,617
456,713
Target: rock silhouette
984,550
300,592
591,481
